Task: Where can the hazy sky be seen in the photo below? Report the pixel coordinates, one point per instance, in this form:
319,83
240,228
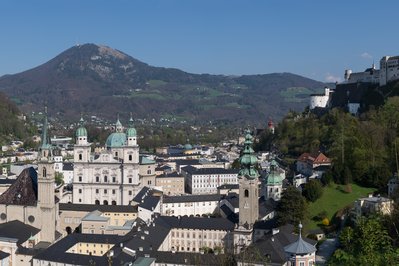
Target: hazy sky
316,39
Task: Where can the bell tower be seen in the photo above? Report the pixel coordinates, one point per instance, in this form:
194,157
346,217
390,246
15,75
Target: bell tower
248,195
46,186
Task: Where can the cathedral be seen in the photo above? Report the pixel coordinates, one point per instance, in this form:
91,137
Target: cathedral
111,176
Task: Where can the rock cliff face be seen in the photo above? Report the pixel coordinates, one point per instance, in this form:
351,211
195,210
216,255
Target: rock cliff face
102,81
23,191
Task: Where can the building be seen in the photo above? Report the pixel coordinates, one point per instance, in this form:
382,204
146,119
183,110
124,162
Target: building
389,69
207,180
370,75
313,165
31,200
300,252
108,177
248,196
190,205
274,182
171,184
370,205
320,100
71,215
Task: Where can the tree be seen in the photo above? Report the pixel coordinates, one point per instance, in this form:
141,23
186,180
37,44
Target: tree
313,190
367,243
292,207
59,178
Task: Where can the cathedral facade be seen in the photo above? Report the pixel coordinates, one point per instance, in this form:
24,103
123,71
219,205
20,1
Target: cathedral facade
111,176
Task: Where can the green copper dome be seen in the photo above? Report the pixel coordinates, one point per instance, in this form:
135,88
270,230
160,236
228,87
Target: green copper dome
116,140
188,147
131,131
81,131
274,177
248,160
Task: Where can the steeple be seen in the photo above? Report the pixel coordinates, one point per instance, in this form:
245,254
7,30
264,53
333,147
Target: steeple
248,160
118,125
248,186
81,133
131,133
45,146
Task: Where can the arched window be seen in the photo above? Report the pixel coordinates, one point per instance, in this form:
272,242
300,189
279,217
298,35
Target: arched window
105,202
246,193
44,172
68,229
130,157
97,202
148,172
113,202
105,179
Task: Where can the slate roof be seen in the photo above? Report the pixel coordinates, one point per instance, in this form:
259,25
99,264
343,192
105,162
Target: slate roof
67,167
7,181
17,229
300,247
93,207
23,191
3,255
173,174
229,186
150,202
272,246
94,216
191,198
208,171
56,252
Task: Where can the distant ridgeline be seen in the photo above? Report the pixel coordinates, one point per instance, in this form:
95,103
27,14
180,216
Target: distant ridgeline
361,90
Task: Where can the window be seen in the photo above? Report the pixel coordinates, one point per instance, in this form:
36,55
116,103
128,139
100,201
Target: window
116,154
80,191
113,179
149,182
113,191
80,200
130,157
130,180
105,179
80,178
97,191
97,179
148,172
130,193
105,191
80,156
44,172
246,193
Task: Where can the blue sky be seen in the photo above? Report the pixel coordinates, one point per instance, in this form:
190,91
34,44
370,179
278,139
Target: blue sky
316,39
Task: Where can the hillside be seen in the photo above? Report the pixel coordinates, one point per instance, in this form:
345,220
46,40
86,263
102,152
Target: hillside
99,80
11,126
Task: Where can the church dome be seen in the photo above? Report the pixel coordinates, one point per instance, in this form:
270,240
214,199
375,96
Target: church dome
188,147
131,132
116,140
81,132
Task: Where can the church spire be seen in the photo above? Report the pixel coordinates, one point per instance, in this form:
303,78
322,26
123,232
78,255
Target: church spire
45,147
248,160
118,125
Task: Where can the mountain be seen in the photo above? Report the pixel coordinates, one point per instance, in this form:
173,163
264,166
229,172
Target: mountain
12,124
99,80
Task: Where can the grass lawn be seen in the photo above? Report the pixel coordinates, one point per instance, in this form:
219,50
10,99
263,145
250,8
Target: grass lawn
334,199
